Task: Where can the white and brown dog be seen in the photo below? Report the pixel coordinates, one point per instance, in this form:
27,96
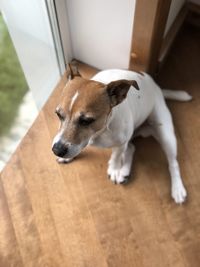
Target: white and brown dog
108,111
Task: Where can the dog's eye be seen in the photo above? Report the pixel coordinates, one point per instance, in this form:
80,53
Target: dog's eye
60,116
83,121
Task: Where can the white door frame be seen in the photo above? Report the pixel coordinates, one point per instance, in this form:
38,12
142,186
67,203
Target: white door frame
60,14
57,12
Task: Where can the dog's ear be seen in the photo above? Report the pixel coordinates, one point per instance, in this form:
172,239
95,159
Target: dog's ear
118,90
72,71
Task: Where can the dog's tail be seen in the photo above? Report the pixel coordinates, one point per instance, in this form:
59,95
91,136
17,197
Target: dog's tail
176,95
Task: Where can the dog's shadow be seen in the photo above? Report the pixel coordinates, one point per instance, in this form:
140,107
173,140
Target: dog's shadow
148,161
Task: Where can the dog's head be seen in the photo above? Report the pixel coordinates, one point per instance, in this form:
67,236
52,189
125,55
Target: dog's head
84,110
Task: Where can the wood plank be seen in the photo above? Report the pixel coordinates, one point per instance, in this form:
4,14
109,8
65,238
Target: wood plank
186,228
72,215
148,29
10,253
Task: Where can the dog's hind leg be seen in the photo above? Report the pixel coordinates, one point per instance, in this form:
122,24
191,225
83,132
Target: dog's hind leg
166,137
119,165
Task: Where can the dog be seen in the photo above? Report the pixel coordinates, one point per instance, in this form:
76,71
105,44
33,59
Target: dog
109,111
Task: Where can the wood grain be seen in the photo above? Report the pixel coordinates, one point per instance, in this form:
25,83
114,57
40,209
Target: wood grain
148,29
73,216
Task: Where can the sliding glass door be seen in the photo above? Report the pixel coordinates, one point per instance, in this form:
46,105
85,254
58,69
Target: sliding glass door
35,34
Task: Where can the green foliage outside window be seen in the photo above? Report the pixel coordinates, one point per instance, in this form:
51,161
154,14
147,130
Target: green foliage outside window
13,85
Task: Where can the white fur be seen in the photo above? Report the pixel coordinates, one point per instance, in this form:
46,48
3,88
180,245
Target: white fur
73,100
64,160
146,104
57,138
176,95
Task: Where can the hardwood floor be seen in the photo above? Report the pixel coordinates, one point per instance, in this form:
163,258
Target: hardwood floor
72,215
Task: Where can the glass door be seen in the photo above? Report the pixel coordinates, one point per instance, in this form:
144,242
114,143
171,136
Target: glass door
32,27
31,64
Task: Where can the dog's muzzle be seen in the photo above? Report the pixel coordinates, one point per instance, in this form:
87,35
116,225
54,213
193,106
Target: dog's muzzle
60,149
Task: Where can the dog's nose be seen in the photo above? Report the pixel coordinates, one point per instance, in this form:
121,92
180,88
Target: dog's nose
60,149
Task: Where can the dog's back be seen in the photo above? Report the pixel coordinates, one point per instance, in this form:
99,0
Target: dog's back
140,102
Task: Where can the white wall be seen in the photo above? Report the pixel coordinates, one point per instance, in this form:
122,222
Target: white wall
101,31
175,7
30,31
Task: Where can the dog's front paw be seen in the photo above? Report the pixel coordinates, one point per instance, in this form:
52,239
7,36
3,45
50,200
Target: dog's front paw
63,160
179,193
117,176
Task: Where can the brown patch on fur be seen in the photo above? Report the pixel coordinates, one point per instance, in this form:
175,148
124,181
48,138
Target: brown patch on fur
117,90
72,71
139,72
92,101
